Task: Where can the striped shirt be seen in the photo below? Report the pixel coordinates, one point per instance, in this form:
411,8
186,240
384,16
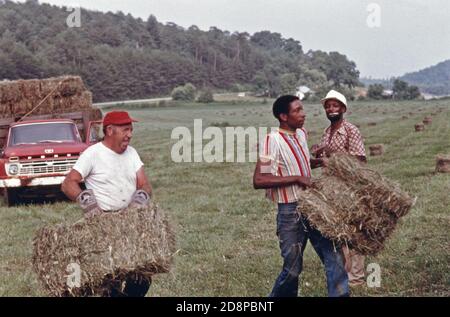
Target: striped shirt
289,156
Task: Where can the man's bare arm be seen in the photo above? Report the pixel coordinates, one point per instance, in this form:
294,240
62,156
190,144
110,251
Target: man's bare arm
262,179
71,185
142,181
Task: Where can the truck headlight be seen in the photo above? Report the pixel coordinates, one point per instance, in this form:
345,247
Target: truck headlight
13,169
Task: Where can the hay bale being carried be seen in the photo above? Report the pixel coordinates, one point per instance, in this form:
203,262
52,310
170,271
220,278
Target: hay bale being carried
376,149
108,249
419,127
443,163
354,205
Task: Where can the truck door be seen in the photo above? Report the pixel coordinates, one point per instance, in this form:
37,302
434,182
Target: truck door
94,132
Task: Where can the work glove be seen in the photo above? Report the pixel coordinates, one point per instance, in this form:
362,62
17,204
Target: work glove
86,200
140,199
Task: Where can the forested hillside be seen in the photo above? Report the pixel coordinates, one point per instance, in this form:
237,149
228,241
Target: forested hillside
434,80
122,57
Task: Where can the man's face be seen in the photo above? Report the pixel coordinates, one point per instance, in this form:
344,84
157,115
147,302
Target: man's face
334,110
121,136
296,116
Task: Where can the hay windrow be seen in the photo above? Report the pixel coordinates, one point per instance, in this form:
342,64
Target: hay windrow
354,205
107,248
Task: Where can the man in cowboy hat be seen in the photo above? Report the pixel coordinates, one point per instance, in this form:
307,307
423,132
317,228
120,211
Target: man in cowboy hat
114,177
343,137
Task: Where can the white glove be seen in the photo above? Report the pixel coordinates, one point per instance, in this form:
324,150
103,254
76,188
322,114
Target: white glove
86,200
140,199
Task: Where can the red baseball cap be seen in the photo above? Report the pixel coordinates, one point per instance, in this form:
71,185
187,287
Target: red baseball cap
117,118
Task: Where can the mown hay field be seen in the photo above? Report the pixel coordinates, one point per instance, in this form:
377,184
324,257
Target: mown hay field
226,242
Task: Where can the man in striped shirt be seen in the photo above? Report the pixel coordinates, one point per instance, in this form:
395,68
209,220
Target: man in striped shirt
284,170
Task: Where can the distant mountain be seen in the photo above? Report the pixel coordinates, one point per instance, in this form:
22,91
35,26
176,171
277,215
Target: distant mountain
433,80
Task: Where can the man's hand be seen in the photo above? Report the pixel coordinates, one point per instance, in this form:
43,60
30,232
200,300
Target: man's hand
86,200
304,181
323,161
317,150
140,199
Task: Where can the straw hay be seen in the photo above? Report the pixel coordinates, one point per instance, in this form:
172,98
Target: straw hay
354,205
419,127
108,248
21,96
443,163
427,120
376,149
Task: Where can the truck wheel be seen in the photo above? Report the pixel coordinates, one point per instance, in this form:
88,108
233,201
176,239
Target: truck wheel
11,196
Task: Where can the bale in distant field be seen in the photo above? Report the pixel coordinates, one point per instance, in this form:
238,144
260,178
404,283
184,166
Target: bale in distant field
108,249
354,205
419,127
427,120
443,163
376,149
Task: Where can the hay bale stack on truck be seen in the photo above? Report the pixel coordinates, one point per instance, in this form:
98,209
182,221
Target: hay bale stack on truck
44,127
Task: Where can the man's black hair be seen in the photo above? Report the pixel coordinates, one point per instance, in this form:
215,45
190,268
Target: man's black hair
281,105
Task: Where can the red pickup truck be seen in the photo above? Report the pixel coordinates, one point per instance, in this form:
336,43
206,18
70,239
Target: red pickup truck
38,153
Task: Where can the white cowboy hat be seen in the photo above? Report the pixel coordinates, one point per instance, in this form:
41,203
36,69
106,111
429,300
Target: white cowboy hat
333,94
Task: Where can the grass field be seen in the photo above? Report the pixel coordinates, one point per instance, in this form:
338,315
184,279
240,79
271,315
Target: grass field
226,230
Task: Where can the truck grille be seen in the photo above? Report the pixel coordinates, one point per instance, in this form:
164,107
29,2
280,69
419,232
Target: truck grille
46,167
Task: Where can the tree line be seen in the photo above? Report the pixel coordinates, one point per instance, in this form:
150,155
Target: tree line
123,57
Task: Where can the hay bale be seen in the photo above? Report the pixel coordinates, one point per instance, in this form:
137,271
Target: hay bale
372,124
354,205
376,149
419,127
21,96
404,117
443,163
107,248
427,120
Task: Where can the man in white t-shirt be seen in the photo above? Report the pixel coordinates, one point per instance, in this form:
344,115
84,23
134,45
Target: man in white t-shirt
114,177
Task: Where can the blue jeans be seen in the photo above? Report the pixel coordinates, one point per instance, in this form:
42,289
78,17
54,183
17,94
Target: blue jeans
293,231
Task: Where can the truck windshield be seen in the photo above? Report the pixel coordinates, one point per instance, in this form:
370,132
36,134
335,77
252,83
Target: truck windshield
43,133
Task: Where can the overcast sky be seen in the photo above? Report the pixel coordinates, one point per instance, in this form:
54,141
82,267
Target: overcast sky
413,34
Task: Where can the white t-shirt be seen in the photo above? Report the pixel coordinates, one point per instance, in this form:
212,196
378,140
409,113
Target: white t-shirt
110,175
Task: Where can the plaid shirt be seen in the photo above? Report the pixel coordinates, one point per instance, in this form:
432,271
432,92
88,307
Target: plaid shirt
346,139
